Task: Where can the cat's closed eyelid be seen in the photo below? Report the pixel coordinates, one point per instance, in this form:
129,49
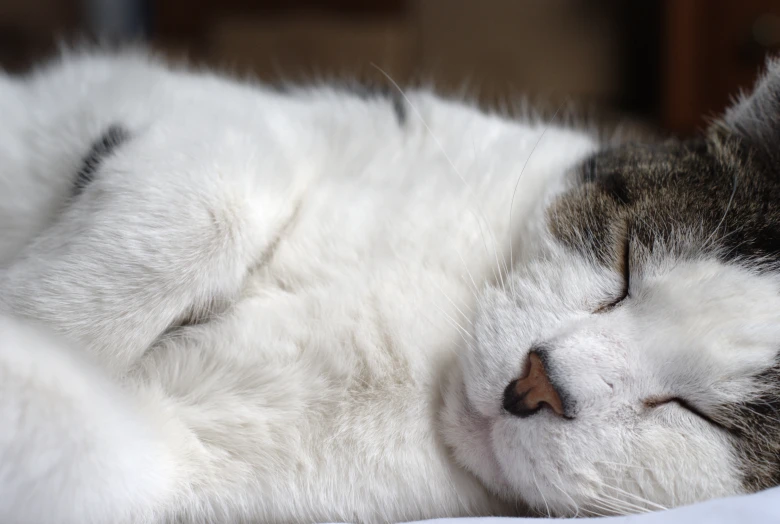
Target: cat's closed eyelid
655,402
625,270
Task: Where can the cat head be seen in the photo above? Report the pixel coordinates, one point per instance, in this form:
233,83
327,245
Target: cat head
633,362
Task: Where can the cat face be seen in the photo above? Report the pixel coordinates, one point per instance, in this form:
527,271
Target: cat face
632,363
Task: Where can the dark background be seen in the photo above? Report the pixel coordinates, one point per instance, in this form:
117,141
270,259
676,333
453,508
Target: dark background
668,64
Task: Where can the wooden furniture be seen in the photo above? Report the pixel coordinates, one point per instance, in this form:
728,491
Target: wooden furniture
670,63
710,49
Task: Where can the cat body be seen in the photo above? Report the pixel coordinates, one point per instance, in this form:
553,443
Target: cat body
307,386
230,303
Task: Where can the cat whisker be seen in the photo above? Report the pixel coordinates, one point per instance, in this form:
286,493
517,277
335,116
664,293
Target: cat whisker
496,275
471,277
626,504
593,513
466,317
462,332
736,246
610,508
517,183
619,506
619,464
634,496
728,208
503,256
452,165
462,302
574,503
454,322
547,507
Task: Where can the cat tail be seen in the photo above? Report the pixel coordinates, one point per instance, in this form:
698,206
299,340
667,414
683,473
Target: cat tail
73,448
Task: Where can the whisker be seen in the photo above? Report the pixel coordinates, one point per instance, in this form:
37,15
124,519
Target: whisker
574,503
503,256
454,322
622,465
471,277
517,183
627,504
616,506
728,207
533,475
418,307
601,504
465,316
452,164
632,495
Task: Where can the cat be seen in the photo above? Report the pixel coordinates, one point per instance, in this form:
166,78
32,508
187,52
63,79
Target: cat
228,302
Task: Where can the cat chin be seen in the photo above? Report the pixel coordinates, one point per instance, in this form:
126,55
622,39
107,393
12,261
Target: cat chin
483,446
469,435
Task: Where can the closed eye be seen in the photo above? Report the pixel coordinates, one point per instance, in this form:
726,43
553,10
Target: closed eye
681,402
625,270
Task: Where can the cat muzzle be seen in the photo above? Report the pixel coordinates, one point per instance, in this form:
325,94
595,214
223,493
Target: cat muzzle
532,392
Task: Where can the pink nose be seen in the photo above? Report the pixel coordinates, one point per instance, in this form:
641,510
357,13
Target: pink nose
527,395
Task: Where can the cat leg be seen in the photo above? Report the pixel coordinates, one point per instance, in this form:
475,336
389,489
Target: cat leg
163,229
73,449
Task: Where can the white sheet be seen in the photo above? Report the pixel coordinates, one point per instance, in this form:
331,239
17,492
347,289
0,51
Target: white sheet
759,508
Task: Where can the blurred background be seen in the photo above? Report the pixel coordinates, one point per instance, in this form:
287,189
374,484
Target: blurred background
668,64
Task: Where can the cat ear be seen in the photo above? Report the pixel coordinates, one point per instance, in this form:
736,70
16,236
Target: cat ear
755,116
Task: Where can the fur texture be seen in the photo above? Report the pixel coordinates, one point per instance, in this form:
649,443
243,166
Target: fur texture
225,303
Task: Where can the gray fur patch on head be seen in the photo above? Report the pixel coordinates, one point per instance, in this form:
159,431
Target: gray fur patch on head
713,197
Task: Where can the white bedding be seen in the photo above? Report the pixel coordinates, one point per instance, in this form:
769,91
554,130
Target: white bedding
759,508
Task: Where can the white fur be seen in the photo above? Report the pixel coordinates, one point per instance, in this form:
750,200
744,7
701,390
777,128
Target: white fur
691,329
338,258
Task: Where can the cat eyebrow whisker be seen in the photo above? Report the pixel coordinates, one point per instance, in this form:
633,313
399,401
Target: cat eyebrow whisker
723,218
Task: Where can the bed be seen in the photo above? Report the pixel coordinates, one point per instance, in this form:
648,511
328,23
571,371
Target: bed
758,508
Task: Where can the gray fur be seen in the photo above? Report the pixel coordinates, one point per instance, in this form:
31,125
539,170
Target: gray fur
715,196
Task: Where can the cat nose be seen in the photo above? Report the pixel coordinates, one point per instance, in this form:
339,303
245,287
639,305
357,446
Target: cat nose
527,395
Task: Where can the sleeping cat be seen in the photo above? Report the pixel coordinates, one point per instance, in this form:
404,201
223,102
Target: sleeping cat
230,303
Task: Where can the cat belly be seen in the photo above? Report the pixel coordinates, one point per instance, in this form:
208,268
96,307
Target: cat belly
321,385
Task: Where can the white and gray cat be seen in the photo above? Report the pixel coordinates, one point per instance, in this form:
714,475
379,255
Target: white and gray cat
230,303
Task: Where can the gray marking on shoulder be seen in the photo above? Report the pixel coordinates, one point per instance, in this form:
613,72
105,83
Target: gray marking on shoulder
399,107
370,90
101,148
